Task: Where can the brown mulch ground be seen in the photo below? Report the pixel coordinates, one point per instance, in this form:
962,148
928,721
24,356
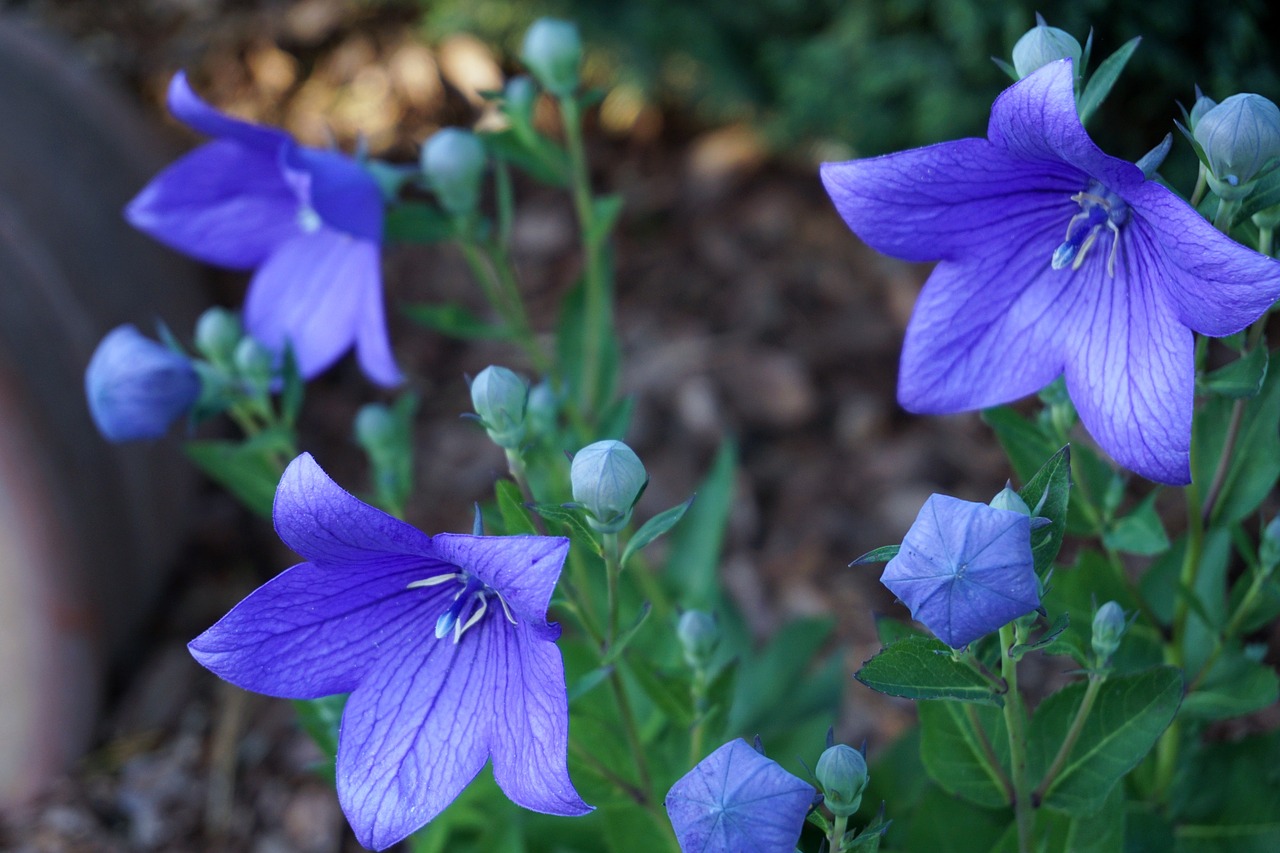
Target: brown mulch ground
745,308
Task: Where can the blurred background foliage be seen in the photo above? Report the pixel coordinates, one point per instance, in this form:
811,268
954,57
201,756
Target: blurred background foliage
841,78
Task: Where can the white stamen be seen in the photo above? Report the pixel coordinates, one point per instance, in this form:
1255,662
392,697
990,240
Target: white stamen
435,580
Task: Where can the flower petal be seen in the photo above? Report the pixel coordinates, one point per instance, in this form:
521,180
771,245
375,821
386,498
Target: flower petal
223,203
325,524
341,191
947,200
1130,370
1216,286
530,743
373,343
315,631
418,730
310,293
187,106
524,569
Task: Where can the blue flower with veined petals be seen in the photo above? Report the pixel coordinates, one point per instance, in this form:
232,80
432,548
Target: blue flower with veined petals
441,641
308,221
1054,259
738,801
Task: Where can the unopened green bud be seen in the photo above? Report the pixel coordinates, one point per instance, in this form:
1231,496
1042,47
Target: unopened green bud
1109,624
1010,500
375,428
518,99
1041,45
699,635
552,51
607,479
540,414
453,162
1202,105
217,333
500,398
842,775
253,362
1241,139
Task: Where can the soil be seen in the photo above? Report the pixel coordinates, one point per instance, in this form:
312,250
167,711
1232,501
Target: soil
745,309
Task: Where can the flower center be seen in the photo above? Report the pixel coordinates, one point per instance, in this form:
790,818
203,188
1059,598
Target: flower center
1099,208
308,220
469,604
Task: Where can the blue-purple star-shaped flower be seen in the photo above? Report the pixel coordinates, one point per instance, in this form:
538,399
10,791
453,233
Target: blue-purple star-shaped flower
1054,259
441,641
965,569
738,801
308,221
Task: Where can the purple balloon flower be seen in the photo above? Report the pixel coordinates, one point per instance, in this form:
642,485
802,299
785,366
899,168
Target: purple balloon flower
309,222
965,569
738,801
441,641
137,387
1055,258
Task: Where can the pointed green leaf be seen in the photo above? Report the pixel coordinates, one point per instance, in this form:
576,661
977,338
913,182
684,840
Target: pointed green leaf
1255,461
1100,83
572,521
456,322
1232,804
532,153
954,743
515,518
1023,441
693,560
620,644
250,470
655,527
1047,494
882,554
1235,686
1140,532
923,668
605,211
1241,378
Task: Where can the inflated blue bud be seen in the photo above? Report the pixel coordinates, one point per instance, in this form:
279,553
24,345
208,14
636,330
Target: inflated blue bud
500,398
1010,500
1041,45
137,387
607,479
552,51
375,427
518,99
254,364
1241,140
1109,625
842,774
699,634
217,333
453,162
543,409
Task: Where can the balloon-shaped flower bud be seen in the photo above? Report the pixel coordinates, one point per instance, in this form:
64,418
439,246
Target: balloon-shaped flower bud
552,51
136,386
500,398
453,162
842,775
543,409
217,333
1010,500
1109,624
375,428
607,479
699,635
518,99
254,364
1041,45
1241,139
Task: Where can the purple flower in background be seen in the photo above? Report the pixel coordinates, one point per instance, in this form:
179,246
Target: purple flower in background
441,641
137,387
1055,258
965,569
738,801
309,222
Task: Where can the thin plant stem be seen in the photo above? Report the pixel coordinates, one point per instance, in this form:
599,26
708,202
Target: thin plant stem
1069,742
1015,724
698,695
631,730
1202,184
838,828
613,572
989,753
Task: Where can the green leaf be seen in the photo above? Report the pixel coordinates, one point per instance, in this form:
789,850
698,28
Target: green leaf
416,222
1078,589
1233,801
923,668
669,691
953,750
589,682
655,527
629,828
319,718
1023,441
933,826
515,518
250,470
1235,686
1100,83
615,420
779,683
573,524
890,630
1265,194
1047,495
1129,714
620,643
1139,532
570,342
882,554
1103,832
693,561
605,211
456,322
534,154
1241,378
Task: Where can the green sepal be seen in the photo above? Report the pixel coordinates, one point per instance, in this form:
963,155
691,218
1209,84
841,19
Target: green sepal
883,554
1046,640
1102,80
924,668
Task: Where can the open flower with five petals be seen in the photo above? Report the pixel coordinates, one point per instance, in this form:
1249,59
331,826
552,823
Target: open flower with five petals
308,221
441,641
1054,259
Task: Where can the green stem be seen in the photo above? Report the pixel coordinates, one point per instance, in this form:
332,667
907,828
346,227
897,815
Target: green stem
1233,627
1202,184
1015,723
613,572
838,828
989,752
1265,237
631,730
1068,743
497,280
698,695
1226,212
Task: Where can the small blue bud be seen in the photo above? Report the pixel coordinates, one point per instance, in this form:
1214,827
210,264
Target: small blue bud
217,333
1010,500
518,99
500,398
1041,45
842,774
137,387
543,408
375,427
1109,625
453,162
699,635
1241,139
254,364
552,51
607,478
